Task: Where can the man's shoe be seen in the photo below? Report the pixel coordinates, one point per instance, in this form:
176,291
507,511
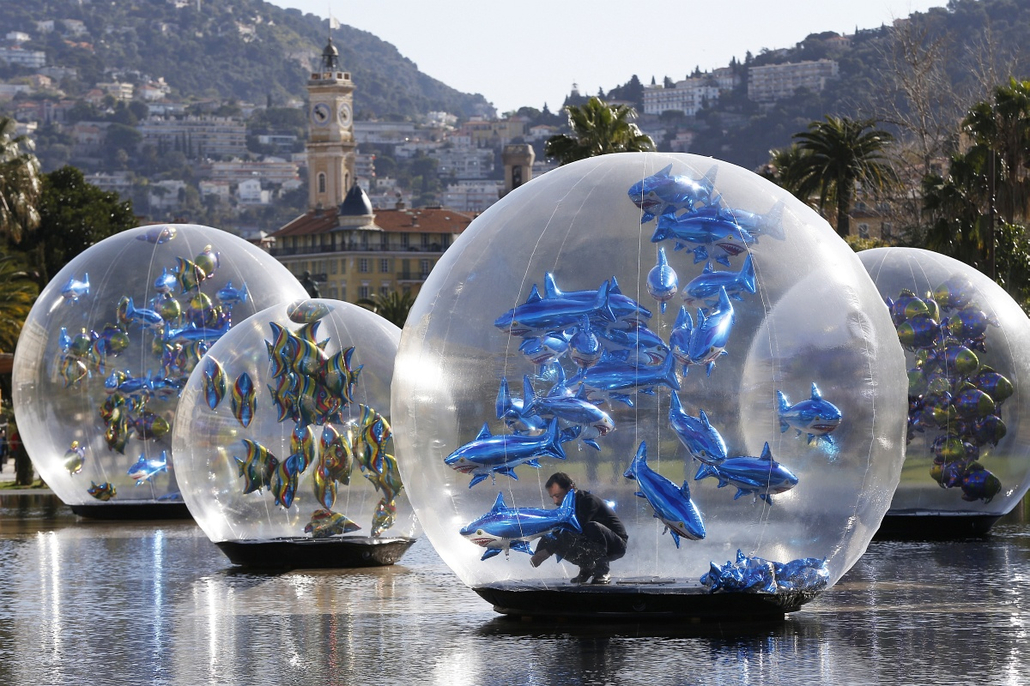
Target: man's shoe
582,577
602,579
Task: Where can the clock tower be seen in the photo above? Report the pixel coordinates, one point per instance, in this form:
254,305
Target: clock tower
331,141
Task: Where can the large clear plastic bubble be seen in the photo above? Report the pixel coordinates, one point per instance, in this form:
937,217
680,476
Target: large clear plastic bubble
109,345
766,416
968,353
284,436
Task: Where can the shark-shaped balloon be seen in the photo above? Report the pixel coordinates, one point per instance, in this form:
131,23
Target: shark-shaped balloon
668,193
75,288
705,343
584,346
662,282
511,411
815,416
593,422
762,476
708,227
705,286
542,314
671,504
145,469
613,378
702,440
487,455
506,528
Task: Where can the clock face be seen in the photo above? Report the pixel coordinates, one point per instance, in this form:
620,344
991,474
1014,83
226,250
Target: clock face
320,114
344,114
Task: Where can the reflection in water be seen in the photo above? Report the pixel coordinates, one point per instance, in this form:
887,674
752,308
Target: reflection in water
84,602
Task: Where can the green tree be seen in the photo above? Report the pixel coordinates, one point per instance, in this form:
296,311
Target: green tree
597,129
1002,127
392,306
20,183
17,293
839,154
74,214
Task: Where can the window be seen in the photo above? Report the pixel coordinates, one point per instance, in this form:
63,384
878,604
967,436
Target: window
863,231
384,266
333,266
321,182
385,289
425,240
404,240
363,265
363,290
426,266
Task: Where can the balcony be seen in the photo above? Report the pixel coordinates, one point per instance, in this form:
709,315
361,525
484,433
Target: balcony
413,276
355,248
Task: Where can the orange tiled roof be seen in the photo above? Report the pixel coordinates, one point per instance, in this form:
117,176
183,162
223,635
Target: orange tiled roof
422,220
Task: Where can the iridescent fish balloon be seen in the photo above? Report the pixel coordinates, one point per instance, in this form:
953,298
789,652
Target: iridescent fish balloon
244,399
325,523
705,287
215,382
705,343
668,193
702,440
74,457
102,491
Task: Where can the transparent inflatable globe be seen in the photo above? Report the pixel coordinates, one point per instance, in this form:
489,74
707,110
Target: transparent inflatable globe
967,348
107,349
284,435
686,341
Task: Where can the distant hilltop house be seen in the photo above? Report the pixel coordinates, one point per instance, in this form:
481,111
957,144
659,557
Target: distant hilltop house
688,96
765,84
777,81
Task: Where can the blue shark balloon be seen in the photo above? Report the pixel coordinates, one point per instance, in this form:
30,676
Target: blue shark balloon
705,343
761,476
706,286
145,469
230,296
75,288
698,436
707,228
672,505
614,378
540,314
511,411
668,193
506,528
758,575
662,282
815,417
636,345
546,349
593,422
584,347
487,455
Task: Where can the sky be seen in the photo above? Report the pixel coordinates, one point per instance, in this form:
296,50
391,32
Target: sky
531,52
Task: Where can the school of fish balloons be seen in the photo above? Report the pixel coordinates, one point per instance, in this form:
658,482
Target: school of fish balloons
176,326
331,435
592,348
952,395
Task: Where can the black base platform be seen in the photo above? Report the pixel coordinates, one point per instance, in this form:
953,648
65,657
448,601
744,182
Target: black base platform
623,600
933,526
316,553
126,511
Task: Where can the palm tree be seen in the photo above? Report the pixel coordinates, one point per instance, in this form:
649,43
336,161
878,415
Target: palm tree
839,154
17,293
1003,128
392,306
598,129
785,169
20,182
